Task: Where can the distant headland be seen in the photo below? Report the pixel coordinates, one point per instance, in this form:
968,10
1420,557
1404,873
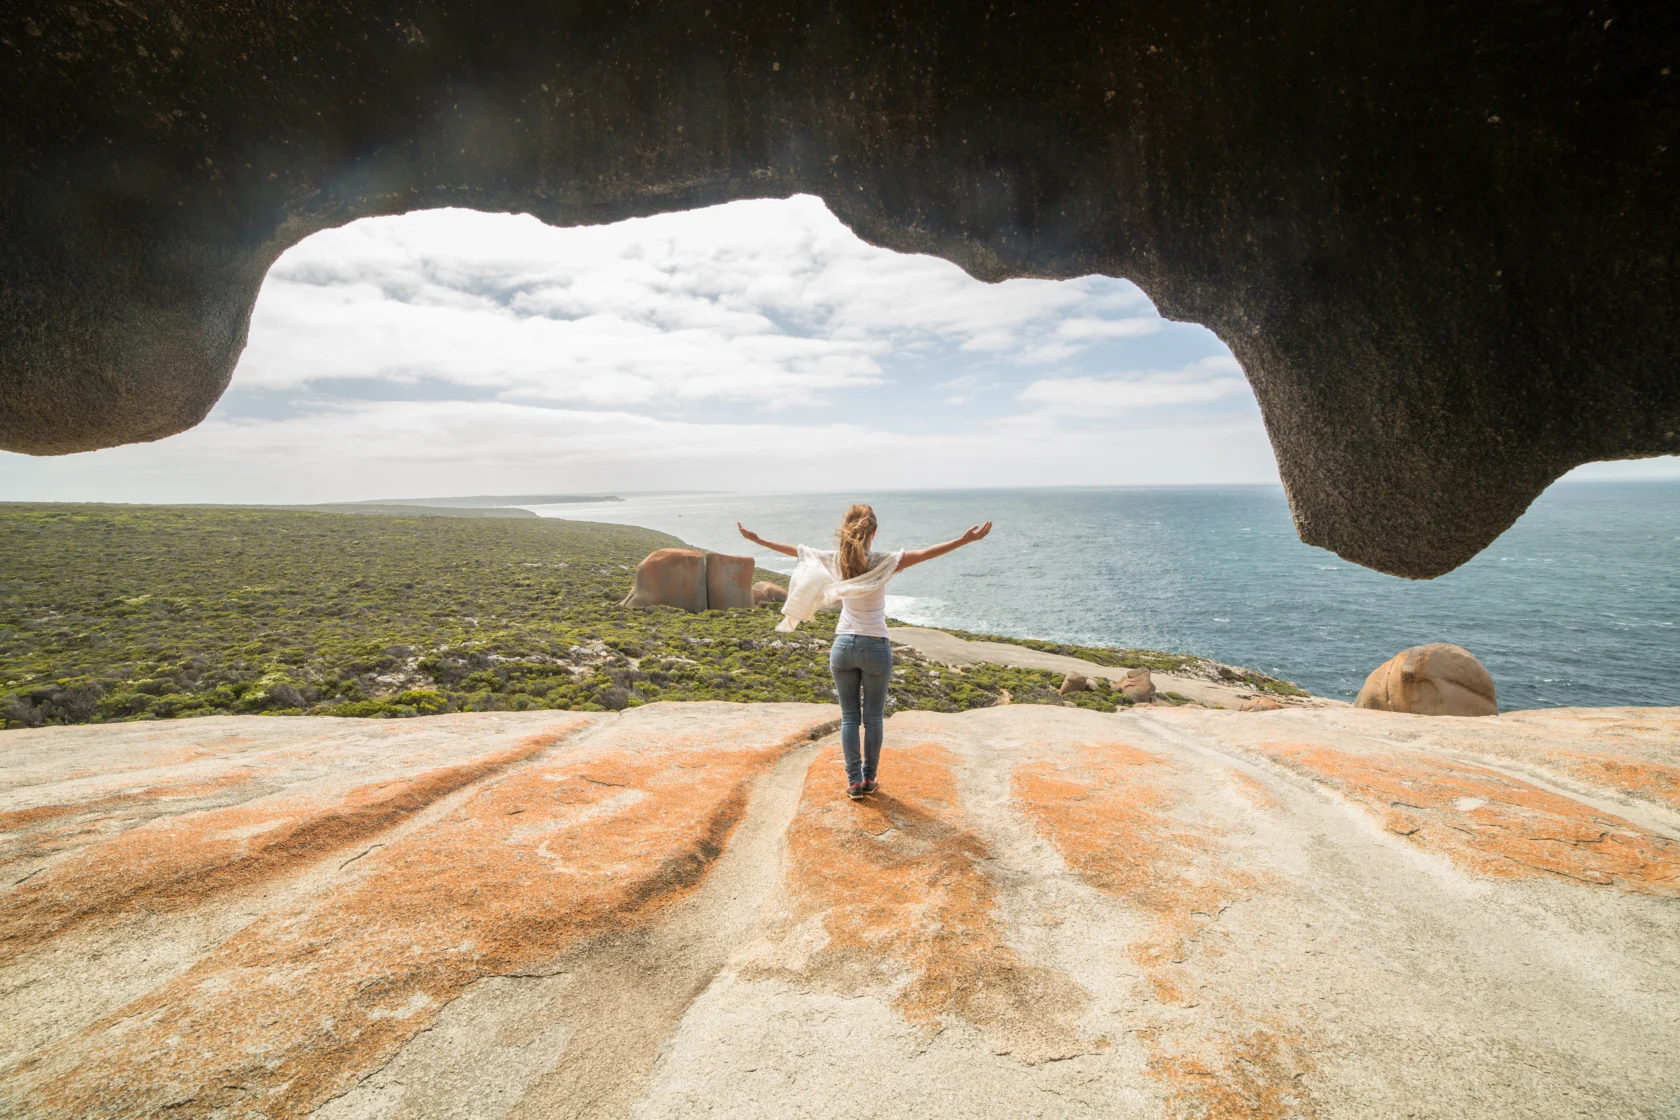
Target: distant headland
476,505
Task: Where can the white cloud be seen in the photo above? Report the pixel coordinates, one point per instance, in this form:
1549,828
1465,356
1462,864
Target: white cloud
748,345
773,303
1086,328
1094,397
415,449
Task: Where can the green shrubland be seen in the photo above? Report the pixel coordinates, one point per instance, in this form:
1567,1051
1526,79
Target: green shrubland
155,612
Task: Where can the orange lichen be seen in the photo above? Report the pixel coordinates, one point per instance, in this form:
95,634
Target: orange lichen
45,830
898,883
1255,791
291,1010
1491,823
1109,810
17,819
182,860
1250,1076
1109,815
1651,780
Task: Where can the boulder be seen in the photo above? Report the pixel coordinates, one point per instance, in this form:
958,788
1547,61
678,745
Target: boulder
728,582
766,592
693,580
1261,704
670,577
1439,679
1073,682
1137,686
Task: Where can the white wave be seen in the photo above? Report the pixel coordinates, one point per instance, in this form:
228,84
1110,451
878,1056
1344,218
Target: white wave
917,610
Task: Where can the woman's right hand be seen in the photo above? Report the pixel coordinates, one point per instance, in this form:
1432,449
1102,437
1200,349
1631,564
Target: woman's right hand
976,532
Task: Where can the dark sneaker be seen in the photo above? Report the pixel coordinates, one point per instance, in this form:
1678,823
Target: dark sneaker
871,786
855,791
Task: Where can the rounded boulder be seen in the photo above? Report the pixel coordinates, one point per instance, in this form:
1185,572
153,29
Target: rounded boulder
670,577
1137,686
1438,679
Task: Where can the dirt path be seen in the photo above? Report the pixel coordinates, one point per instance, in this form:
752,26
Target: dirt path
948,649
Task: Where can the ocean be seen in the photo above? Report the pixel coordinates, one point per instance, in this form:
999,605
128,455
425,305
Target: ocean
1576,604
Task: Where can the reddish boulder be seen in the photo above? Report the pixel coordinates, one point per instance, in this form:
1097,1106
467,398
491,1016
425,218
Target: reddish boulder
1074,682
1137,686
670,577
728,581
1261,704
1438,679
692,580
766,592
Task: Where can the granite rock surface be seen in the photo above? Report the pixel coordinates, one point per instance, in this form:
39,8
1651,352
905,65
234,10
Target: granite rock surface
1324,912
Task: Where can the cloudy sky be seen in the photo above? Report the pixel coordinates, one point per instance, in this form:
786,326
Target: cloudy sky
753,346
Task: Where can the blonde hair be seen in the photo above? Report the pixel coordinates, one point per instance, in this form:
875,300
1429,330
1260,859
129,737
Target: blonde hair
856,528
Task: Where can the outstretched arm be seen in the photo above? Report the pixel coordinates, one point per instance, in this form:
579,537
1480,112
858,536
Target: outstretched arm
915,556
773,546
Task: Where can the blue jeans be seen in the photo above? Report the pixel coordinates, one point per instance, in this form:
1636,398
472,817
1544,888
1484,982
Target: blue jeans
861,664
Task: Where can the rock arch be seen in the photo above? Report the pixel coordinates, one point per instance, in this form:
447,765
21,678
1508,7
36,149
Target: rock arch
1441,238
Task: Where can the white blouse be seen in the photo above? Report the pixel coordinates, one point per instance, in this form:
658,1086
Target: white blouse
816,584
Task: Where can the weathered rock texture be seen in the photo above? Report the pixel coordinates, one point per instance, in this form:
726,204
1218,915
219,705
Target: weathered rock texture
729,581
692,580
670,577
1138,686
1441,238
766,592
1439,679
676,911
1074,682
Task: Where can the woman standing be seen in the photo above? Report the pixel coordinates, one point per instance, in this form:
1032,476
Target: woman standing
861,659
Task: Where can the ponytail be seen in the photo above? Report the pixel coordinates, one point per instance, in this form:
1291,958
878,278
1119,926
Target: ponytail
855,531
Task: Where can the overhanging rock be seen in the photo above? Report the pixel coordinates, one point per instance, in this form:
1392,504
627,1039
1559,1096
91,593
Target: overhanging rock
1440,238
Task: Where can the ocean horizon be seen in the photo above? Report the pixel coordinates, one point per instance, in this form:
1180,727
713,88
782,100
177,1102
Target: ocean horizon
1576,604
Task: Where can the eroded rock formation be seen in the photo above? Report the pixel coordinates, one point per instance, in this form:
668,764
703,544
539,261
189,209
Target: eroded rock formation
729,582
693,580
1440,238
675,909
670,577
1138,686
1438,679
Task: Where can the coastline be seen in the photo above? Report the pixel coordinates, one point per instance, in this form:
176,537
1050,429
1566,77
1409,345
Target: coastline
120,614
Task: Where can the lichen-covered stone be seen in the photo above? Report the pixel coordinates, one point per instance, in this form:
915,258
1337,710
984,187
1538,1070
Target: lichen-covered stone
1440,242
1043,911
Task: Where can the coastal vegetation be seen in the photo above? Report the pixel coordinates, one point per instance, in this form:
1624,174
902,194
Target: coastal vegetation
151,612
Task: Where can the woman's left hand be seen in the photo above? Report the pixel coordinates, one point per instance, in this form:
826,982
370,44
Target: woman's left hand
746,532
